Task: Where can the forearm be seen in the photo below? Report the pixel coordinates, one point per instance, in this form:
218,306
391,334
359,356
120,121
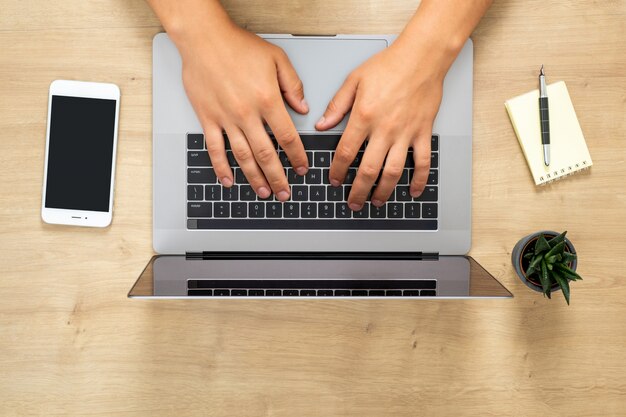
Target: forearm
442,26
186,21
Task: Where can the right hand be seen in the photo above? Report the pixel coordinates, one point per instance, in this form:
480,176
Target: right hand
236,82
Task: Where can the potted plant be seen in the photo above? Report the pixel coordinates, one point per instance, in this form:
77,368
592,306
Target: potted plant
546,261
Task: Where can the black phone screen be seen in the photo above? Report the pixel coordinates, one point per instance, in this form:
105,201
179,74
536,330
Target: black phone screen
80,153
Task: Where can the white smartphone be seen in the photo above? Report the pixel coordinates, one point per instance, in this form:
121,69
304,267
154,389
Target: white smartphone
81,143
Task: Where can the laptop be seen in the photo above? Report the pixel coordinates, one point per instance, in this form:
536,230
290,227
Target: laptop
214,242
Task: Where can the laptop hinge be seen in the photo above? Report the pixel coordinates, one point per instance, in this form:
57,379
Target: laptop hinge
407,256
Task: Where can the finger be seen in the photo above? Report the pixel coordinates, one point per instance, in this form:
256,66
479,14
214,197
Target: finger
287,137
367,173
421,157
346,151
290,84
267,159
244,156
340,105
392,171
215,146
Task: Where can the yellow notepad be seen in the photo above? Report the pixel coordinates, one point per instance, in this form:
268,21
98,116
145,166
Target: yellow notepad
568,149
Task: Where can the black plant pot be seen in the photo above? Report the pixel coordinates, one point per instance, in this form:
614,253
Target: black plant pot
527,244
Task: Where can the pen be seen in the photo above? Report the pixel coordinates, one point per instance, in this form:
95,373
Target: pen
544,117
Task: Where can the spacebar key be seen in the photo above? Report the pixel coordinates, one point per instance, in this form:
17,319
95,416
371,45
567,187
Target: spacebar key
318,224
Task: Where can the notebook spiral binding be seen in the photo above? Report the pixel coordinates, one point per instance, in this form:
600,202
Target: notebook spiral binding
556,175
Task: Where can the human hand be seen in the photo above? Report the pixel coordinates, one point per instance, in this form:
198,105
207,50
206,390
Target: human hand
236,81
394,97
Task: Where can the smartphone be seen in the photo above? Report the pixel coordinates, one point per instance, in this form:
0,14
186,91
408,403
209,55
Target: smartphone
81,143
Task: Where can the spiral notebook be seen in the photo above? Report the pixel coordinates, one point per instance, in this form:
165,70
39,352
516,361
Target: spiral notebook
568,149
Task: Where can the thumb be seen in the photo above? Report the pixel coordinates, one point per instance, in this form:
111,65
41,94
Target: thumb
339,106
290,85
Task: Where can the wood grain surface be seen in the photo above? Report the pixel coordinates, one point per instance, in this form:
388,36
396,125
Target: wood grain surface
71,343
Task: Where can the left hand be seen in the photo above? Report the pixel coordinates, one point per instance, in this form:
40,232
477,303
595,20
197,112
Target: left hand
394,97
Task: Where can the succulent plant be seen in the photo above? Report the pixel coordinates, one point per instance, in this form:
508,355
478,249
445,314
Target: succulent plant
549,262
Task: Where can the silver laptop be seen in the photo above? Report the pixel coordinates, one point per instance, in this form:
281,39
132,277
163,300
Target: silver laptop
215,242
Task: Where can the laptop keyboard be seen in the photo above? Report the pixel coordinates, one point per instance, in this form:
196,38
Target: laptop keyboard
312,288
314,203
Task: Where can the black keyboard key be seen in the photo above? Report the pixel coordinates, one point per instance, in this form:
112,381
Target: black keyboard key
350,176
284,159
403,193
378,212
307,293
393,293
428,293
321,159
201,176
320,224
240,178
364,213
213,192
300,193
326,210
293,177
404,178
433,177
429,210
292,210
342,293
434,160
334,193
394,210
198,159
314,176
273,293
239,209
256,293
231,159
256,209
198,209
309,156
342,211
230,194
411,293
195,141
359,293
246,193
430,194
409,163
195,192
221,209
239,293
291,293
221,292
412,210
376,293
274,210
324,293
308,210
357,160
434,143
317,193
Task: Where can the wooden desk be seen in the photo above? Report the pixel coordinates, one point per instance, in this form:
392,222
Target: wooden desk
72,344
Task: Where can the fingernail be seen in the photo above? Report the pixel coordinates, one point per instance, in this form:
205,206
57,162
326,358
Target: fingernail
355,206
321,120
377,203
226,182
335,183
305,105
301,171
415,193
283,195
263,192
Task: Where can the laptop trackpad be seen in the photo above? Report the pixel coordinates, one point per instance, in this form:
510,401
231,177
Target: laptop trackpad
323,64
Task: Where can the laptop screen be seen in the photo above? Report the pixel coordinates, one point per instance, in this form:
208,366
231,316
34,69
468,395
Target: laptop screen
443,277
